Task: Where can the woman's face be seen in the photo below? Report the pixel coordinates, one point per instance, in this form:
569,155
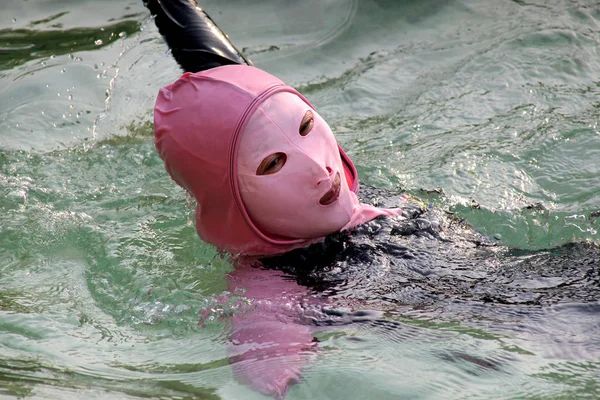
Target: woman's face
290,172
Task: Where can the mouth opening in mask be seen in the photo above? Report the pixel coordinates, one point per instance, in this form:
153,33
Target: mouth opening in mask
332,194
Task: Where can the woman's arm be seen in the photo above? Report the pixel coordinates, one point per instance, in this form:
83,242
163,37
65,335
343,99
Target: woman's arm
195,40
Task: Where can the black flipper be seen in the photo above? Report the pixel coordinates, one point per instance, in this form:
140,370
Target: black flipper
195,40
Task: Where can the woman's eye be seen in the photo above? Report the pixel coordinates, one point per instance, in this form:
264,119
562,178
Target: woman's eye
307,123
271,164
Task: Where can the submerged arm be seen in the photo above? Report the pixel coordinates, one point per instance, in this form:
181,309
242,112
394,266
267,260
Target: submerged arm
195,40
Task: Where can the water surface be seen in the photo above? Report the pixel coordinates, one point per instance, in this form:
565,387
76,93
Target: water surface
487,109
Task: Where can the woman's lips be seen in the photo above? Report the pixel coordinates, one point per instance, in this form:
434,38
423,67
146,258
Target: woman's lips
334,193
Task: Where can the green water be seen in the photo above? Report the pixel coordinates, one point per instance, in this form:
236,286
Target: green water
103,279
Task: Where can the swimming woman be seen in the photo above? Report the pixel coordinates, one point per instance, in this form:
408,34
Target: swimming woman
270,180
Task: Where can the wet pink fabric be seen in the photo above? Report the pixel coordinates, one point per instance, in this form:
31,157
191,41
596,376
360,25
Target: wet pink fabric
212,127
270,348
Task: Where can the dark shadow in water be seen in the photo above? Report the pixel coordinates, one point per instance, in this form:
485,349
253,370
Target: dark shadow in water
21,378
49,19
18,46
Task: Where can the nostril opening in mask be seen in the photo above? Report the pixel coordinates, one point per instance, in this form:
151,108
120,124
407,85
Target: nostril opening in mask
329,170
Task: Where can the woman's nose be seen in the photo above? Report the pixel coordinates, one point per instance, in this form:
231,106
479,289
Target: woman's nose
327,177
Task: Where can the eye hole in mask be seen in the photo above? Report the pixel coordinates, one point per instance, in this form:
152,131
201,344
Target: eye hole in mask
271,164
274,162
307,123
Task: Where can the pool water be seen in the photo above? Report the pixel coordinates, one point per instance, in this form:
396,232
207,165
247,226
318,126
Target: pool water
487,109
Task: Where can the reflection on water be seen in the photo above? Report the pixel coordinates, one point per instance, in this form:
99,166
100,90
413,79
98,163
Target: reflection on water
485,111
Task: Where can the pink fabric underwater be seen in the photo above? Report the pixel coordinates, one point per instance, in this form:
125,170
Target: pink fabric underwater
213,129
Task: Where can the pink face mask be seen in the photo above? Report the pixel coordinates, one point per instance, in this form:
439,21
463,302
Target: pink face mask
215,129
290,173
